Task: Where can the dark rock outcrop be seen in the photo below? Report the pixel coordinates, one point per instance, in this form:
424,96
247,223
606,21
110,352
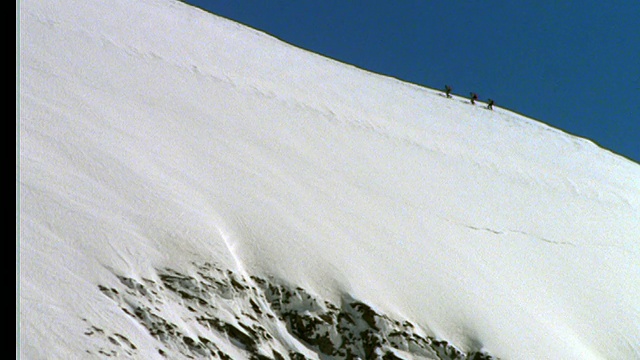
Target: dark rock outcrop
260,318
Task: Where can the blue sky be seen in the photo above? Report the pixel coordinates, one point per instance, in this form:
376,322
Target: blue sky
572,64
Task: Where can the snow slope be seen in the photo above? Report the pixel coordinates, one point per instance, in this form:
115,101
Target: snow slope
153,135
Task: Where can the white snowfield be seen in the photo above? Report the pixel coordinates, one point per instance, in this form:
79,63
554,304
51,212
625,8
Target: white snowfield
154,134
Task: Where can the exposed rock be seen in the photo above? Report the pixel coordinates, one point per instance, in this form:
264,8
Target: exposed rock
262,319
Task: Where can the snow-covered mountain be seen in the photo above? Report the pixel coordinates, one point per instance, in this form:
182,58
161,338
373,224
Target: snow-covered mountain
192,188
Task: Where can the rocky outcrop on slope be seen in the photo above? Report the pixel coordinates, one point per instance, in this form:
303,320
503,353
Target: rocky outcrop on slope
211,313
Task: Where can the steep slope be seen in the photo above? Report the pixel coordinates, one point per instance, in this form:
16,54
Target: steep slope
155,136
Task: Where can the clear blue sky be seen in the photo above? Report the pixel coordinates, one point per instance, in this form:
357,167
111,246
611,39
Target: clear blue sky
572,64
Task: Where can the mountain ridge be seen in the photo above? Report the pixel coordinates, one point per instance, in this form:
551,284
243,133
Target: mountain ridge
154,135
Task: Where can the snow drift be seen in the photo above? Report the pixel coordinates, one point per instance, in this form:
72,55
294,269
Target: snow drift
154,135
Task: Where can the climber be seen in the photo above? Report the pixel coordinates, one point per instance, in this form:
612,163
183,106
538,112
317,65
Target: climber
447,90
474,97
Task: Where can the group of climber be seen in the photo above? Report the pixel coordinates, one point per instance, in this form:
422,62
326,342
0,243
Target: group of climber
473,96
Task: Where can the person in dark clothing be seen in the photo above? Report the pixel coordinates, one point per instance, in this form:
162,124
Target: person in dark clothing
490,104
447,90
474,97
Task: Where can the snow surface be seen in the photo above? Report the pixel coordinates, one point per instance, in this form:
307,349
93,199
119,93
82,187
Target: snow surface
155,134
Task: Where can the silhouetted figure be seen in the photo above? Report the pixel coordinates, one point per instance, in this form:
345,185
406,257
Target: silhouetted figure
447,90
474,97
490,104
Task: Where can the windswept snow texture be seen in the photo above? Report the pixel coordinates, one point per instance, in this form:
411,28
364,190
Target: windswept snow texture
154,135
